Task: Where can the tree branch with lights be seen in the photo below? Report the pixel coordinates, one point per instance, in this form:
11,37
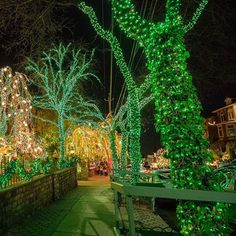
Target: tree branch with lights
178,111
135,94
57,76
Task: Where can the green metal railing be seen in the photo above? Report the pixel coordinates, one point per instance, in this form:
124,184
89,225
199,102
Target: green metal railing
153,177
128,191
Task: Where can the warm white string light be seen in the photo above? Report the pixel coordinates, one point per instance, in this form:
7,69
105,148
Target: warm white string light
15,118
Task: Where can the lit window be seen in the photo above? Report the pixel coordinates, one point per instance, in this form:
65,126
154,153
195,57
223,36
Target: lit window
230,114
220,131
231,130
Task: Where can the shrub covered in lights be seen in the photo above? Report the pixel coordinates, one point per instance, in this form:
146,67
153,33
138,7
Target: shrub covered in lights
38,166
177,109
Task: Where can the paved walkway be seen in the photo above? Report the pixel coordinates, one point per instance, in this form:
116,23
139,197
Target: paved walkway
87,210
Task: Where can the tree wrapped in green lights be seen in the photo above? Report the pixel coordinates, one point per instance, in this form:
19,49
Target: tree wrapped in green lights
178,118
57,77
134,92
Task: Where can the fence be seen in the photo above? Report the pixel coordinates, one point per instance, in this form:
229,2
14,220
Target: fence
4,162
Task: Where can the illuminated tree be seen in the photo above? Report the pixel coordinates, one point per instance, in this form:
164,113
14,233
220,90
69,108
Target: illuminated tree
90,142
16,129
178,110
134,93
17,138
57,77
119,122
93,117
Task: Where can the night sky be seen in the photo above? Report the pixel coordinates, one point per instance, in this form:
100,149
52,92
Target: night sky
211,44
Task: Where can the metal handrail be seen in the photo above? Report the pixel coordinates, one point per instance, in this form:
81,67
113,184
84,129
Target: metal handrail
168,192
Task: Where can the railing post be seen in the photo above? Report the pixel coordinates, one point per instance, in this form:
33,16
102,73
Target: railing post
117,215
131,216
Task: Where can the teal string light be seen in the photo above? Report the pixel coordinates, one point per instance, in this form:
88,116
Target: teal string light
178,111
58,78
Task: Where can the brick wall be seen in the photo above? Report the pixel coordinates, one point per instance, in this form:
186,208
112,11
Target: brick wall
22,200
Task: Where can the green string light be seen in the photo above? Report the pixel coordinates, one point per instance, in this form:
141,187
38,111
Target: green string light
133,91
196,15
124,144
178,110
16,167
37,167
112,138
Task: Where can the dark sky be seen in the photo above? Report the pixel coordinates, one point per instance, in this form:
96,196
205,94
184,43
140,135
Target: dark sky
211,44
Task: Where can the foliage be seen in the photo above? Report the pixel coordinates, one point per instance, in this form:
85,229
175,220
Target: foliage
57,77
37,167
16,167
69,161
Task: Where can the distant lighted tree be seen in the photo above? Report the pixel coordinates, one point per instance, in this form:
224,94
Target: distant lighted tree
57,76
93,117
178,110
92,141
111,125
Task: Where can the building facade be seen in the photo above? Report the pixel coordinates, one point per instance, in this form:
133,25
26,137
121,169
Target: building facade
222,127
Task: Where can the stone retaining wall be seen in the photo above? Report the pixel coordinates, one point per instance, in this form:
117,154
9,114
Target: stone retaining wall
24,199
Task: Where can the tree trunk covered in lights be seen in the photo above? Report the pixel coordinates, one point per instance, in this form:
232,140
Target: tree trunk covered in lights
178,118
112,138
61,130
123,152
134,119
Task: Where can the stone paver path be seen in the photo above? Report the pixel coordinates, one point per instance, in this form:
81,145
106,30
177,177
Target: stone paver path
87,210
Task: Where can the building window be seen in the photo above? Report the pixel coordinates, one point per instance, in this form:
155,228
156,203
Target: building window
230,114
222,116
220,131
231,130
